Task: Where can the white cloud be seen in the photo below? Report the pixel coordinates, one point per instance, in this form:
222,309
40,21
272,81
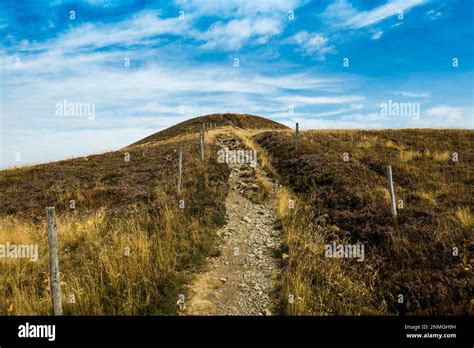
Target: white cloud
238,8
413,94
250,21
147,94
452,113
339,111
377,35
312,44
129,32
299,81
342,14
235,33
372,116
320,100
253,22
433,14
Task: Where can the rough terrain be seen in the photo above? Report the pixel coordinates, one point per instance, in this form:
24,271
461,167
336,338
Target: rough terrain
240,280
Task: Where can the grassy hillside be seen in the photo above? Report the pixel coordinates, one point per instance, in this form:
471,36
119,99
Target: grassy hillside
194,125
348,202
127,247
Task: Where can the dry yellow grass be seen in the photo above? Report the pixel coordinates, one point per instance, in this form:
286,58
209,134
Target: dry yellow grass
108,266
408,155
465,219
365,144
441,156
426,196
124,262
263,158
438,156
381,195
336,290
285,203
391,145
178,138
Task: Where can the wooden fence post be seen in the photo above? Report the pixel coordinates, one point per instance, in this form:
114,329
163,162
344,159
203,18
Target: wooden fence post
54,262
180,168
297,134
393,205
202,145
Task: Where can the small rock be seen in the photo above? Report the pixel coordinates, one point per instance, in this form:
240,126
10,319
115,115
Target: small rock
284,256
267,312
223,279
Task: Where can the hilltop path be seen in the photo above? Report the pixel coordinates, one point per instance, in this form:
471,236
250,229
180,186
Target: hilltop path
240,280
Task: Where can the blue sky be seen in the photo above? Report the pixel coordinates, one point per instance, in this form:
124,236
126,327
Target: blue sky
283,59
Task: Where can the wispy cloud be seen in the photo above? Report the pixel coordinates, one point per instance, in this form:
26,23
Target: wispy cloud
452,113
345,110
240,8
142,26
377,35
343,14
412,94
312,44
235,33
319,100
182,66
434,14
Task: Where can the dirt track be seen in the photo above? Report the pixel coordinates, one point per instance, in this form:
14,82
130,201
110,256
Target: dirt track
240,280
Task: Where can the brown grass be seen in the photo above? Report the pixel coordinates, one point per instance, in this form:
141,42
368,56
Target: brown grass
164,242
353,196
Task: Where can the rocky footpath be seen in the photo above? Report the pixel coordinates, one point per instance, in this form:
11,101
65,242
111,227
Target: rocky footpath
240,280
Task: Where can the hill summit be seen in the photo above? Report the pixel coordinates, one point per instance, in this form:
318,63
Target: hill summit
193,125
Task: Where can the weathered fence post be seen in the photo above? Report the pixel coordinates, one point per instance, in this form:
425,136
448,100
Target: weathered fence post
296,135
54,262
180,169
202,145
392,193
273,127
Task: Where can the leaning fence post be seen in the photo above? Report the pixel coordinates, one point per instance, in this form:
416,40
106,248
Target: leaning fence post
392,193
180,174
53,262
